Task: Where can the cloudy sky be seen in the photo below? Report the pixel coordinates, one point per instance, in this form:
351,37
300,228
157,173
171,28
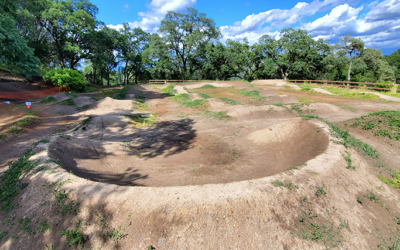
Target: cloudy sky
377,23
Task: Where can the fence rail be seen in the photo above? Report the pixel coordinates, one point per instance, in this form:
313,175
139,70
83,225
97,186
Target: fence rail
352,84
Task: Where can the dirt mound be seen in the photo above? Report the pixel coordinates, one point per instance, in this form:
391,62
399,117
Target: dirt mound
180,89
194,96
60,97
109,105
83,101
217,104
331,112
275,82
216,84
323,91
284,99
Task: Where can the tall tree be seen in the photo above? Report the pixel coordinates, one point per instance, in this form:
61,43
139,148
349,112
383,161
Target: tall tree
184,33
294,52
353,47
394,61
14,51
70,24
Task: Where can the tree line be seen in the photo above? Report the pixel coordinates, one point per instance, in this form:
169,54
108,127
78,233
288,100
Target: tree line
39,35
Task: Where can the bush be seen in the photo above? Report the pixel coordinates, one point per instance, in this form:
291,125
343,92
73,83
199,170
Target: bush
66,78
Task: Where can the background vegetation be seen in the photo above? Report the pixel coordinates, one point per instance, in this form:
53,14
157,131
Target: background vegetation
37,36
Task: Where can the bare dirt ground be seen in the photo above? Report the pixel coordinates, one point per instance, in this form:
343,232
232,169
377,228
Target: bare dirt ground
240,171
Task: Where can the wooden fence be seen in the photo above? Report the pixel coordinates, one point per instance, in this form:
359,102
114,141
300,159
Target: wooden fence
160,81
352,84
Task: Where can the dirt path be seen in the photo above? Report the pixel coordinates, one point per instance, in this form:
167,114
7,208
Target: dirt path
156,173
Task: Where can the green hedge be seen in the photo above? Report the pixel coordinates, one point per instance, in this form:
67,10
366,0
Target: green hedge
66,78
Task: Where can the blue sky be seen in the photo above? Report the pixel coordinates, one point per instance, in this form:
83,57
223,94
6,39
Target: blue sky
377,23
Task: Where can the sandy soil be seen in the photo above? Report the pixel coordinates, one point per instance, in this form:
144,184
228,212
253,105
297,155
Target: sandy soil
194,181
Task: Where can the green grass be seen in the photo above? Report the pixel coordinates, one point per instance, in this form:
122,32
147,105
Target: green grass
229,101
122,93
372,196
346,139
91,88
281,184
139,121
169,90
27,121
47,99
75,237
184,100
254,94
10,180
305,100
208,86
109,92
320,190
43,226
15,130
67,102
217,115
382,123
347,158
140,106
204,95
395,182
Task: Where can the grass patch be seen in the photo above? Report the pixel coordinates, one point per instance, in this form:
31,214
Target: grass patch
254,94
109,92
15,130
281,184
169,90
82,108
140,106
351,93
208,86
204,95
141,120
346,139
382,123
395,182
347,158
229,101
27,121
184,100
320,190
217,115
68,101
47,99
10,180
122,93
305,100
74,237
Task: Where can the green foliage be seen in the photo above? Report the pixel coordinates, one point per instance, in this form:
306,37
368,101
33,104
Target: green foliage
254,94
66,78
47,99
68,101
142,120
10,180
184,100
74,237
2,234
394,61
204,95
169,90
347,158
28,121
64,206
230,101
346,139
395,182
122,93
382,123
320,190
217,115
281,184
360,200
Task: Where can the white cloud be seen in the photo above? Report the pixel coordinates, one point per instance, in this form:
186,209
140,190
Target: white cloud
380,28
125,7
151,19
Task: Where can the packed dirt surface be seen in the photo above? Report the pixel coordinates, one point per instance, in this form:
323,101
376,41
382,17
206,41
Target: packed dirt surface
234,166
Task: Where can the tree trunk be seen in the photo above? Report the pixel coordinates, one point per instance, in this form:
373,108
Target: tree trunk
348,73
108,79
94,75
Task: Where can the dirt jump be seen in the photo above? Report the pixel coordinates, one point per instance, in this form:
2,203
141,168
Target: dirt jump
222,165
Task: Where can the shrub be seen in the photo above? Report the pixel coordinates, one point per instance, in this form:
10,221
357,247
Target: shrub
66,78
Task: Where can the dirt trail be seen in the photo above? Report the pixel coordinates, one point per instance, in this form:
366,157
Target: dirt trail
223,175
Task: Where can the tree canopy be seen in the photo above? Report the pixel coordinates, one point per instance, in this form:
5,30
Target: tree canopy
39,35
